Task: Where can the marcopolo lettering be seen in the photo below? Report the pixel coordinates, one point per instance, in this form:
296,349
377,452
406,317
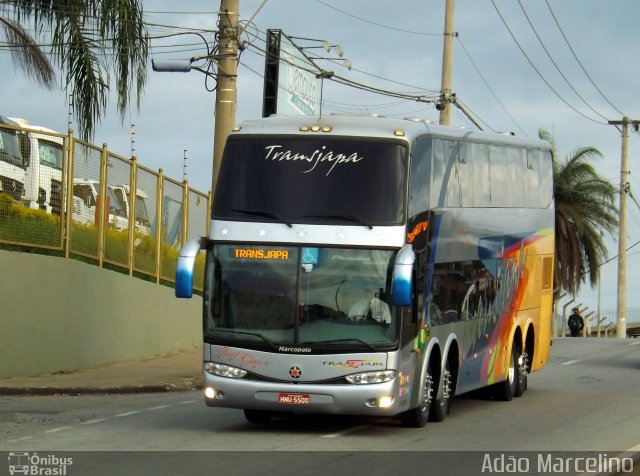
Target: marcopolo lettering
283,348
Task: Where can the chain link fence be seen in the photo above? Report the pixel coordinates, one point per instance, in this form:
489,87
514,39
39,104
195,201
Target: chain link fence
61,193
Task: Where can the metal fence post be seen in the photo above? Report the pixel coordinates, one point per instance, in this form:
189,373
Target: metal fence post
133,193
67,167
102,205
158,250
185,212
208,218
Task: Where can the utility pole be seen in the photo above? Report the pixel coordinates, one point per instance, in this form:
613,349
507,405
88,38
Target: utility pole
227,59
622,229
444,105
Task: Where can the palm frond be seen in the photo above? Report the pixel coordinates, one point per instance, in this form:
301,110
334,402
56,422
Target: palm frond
26,53
91,40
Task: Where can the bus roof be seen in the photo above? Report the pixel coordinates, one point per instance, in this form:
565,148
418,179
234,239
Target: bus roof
374,126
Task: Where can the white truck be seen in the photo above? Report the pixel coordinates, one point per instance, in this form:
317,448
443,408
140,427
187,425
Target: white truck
85,202
12,163
42,152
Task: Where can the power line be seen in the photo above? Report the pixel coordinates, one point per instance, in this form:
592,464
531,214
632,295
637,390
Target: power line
489,87
546,50
536,69
555,19
376,24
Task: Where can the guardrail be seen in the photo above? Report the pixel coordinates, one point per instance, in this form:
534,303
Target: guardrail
61,195
605,325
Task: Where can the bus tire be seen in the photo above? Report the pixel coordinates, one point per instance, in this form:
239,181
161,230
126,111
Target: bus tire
442,406
417,417
506,390
257,416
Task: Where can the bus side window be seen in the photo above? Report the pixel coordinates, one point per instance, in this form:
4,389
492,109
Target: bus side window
532,189
466,175
445,190
419,175
499,176
481,174
447,293
515,173
546,179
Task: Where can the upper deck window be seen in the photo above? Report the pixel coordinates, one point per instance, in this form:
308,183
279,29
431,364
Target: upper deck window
312,180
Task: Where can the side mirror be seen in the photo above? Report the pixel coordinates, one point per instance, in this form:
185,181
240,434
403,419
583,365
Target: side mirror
402,285
185,266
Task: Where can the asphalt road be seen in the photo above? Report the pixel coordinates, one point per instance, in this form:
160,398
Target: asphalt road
583,402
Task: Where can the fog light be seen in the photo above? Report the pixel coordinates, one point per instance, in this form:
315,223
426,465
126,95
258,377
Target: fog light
385,402
209,393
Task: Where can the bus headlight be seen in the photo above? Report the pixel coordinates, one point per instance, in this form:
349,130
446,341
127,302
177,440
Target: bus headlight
224,370
372,377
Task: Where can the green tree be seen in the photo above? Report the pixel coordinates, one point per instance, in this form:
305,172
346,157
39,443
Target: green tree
87,40
585,210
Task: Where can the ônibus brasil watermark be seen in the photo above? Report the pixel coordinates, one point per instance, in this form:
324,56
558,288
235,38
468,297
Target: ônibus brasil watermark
541,463
24,462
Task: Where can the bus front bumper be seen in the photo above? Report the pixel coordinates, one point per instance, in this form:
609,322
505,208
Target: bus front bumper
347,399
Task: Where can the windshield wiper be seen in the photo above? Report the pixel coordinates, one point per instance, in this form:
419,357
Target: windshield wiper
352,339
254,334
352,218
259,213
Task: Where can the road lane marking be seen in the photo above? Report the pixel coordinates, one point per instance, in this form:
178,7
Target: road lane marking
56,430
159,407
570,362
22,438
187,402
346,432
91,422
635,343
127,413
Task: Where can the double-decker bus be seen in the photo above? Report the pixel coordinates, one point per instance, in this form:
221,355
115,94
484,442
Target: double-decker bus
373,266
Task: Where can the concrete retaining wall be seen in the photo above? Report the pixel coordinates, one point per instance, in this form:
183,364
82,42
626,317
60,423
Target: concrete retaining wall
59,315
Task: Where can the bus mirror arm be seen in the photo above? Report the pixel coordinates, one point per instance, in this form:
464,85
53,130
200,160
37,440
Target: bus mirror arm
402,286
186,265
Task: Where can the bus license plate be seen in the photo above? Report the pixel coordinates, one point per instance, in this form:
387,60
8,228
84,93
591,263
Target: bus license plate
293,398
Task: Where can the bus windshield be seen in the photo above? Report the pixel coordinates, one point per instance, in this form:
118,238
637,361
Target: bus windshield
323,298
10,148
50,154
322,180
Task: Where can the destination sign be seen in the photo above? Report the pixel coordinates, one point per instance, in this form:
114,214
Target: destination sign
251,253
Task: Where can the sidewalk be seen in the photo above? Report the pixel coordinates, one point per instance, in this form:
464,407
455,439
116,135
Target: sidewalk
175,372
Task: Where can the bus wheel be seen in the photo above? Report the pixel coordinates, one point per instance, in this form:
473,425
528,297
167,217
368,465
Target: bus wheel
417,417
523,368
506,390
441,408
257,416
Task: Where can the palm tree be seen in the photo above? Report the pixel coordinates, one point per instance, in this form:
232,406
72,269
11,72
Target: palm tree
87,39
585,209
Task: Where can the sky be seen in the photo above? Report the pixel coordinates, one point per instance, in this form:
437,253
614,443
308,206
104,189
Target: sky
586,74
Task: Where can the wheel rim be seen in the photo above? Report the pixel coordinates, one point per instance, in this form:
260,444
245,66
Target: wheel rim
446,390
523,367
428,394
